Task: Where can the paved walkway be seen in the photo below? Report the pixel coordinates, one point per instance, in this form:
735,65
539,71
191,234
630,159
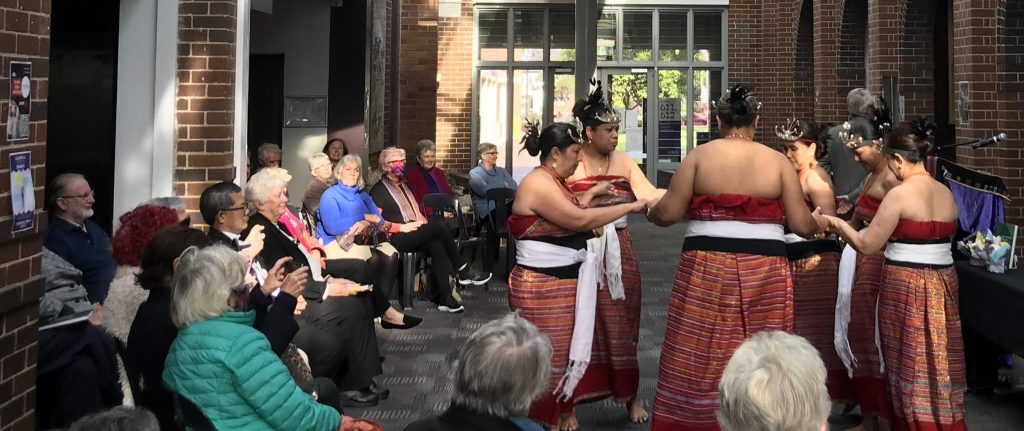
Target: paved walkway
418,360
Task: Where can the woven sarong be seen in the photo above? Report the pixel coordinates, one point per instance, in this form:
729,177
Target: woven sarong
718,300
868,378
814,303
923,347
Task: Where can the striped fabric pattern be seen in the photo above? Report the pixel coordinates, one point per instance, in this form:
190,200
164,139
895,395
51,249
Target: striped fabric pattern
718,300
613,362
815,287
923,347
868,377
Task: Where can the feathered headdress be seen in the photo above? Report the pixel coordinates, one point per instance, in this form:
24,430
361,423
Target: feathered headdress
596,107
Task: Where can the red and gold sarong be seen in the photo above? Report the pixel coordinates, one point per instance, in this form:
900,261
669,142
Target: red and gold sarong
868,378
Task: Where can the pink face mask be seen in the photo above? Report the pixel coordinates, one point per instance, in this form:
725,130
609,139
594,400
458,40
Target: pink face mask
398,169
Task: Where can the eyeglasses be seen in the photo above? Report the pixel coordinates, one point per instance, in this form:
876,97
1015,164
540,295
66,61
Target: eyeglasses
85,195
233,209
491,153
395,162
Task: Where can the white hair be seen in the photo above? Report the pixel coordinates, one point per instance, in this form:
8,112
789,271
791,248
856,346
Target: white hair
502,368
318,159
203,282
775,382
382,158
350,158
172,202
424,145
860,102
265,150
257,189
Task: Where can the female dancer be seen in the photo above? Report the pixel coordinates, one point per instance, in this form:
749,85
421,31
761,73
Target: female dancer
733,278
618,319
554,282
814,263
918,307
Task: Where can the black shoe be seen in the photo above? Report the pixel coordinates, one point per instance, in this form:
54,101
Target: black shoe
474,277
407,322
453,308
380,391
360,398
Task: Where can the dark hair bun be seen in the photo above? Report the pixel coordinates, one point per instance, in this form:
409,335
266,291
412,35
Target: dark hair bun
531,139
923,129
737,108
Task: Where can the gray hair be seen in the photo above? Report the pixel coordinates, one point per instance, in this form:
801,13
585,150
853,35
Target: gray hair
265,150
484,147
257,190
172,202
350,158
774,381
203,282
58,187
384,156
424,145
860,102
318,159
120,418
502,368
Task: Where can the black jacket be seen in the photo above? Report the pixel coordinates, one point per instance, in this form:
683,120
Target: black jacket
458,418
389,209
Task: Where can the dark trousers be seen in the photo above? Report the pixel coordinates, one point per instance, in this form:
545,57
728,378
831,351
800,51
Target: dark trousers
77,374
435,240
338,336
493,240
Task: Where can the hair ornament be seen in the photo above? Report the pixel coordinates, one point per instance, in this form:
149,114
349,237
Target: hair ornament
789,131
574,131
923,128
597,107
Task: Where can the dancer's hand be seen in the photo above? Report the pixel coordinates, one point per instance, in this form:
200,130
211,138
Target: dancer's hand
843,204
823,223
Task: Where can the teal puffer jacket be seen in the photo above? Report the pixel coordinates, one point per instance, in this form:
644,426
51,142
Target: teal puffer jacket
226,368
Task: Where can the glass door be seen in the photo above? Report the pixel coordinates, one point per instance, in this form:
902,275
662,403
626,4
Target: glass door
627,89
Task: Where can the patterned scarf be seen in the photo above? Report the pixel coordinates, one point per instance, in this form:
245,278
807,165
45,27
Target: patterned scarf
403,197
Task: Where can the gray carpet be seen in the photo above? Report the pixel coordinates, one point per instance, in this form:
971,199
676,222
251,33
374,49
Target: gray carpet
418,360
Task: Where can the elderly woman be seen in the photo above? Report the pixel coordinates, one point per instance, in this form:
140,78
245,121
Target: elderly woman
335,149
489,400
409,231
243,384
776,381
268,155
336,329
426,178
485,176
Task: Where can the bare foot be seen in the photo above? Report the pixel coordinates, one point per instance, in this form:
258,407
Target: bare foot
635,410
568,422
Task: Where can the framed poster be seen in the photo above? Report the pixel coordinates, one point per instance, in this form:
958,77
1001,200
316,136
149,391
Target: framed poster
20,103
305,112
23,195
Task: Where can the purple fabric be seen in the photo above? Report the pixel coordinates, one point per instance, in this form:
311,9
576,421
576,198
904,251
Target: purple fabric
979,210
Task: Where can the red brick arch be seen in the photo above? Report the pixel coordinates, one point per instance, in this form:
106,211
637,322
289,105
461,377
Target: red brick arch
805,99
852,69
917,48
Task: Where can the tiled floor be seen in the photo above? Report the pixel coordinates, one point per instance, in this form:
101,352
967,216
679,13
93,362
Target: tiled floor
417,360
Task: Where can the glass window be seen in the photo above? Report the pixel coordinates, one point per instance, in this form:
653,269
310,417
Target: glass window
527,103
707,36
564,95
562,28
492,114
671,115
636,36
707,86
606,36
672,36
528,27
493,32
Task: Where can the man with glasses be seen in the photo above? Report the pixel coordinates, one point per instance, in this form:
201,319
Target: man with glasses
223,208
79,240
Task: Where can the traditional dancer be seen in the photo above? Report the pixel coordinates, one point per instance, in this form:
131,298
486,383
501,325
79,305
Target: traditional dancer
554,284
733,278
613,361
814,263
860,275
918,307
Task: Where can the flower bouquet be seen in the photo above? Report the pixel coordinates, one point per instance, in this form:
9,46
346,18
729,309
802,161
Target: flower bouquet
988,250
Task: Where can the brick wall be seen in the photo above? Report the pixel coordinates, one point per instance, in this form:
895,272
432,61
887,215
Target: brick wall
205,97
804,64
884,18
455,93
417,74
852,71
1010,104
24,36
917,70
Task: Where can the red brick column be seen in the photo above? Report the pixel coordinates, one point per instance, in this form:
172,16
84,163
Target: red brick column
455,91
830,105
25,37
417,69
917,46
884,19
205,97
1010,104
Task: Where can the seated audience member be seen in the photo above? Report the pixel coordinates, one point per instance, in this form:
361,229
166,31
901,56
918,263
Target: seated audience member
120,418
137,228
409,231
268,155
499,371
774,381
77,239
335,149
426,178
347,212
336,329
76,369
320,169
485,176
290,221
220,363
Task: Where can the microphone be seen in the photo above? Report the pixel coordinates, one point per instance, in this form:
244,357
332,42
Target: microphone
988,141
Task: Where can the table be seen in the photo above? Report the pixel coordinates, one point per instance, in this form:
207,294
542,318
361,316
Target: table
991,308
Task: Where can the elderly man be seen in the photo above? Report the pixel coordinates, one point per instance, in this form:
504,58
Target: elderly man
848,175
77,239
320,168
269,155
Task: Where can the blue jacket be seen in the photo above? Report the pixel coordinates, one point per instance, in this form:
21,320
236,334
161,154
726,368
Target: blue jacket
226,368
482,180
88,250
341,207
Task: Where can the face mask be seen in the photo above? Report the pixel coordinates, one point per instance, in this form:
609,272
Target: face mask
398,169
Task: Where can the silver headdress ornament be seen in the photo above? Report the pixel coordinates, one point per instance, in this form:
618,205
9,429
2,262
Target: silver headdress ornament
852,141
789,131
597,106
574,132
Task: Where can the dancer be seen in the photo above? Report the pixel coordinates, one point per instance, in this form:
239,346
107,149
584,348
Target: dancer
733,278
554,284
618,322
814,263
918,306
860,275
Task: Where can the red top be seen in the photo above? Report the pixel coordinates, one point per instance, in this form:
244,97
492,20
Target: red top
621,191
910,229
735,207
866,207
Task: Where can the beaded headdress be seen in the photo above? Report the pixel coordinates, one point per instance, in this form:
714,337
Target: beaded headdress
597,107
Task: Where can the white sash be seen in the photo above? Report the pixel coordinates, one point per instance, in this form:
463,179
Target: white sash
735,229
928,254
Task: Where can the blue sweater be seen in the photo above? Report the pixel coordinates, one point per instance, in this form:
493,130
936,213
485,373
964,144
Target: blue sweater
341,207
88,250
481,180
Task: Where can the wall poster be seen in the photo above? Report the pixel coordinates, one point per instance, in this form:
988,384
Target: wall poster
23,195
20,104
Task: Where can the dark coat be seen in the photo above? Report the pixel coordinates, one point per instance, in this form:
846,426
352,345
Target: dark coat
458,418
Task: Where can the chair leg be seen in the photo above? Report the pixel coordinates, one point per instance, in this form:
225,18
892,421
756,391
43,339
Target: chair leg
408,277
510,244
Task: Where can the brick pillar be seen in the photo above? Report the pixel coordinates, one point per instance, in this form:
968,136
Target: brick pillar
25,37
1010,104
417,69
917,47
883,41
804,64
853,43
205,97
778,91
829,104
455,91
747,52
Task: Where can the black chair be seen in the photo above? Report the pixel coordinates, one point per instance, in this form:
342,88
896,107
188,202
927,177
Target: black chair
441,204
189,416
410,267
502,199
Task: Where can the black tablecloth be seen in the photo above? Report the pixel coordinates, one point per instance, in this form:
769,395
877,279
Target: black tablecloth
992,305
